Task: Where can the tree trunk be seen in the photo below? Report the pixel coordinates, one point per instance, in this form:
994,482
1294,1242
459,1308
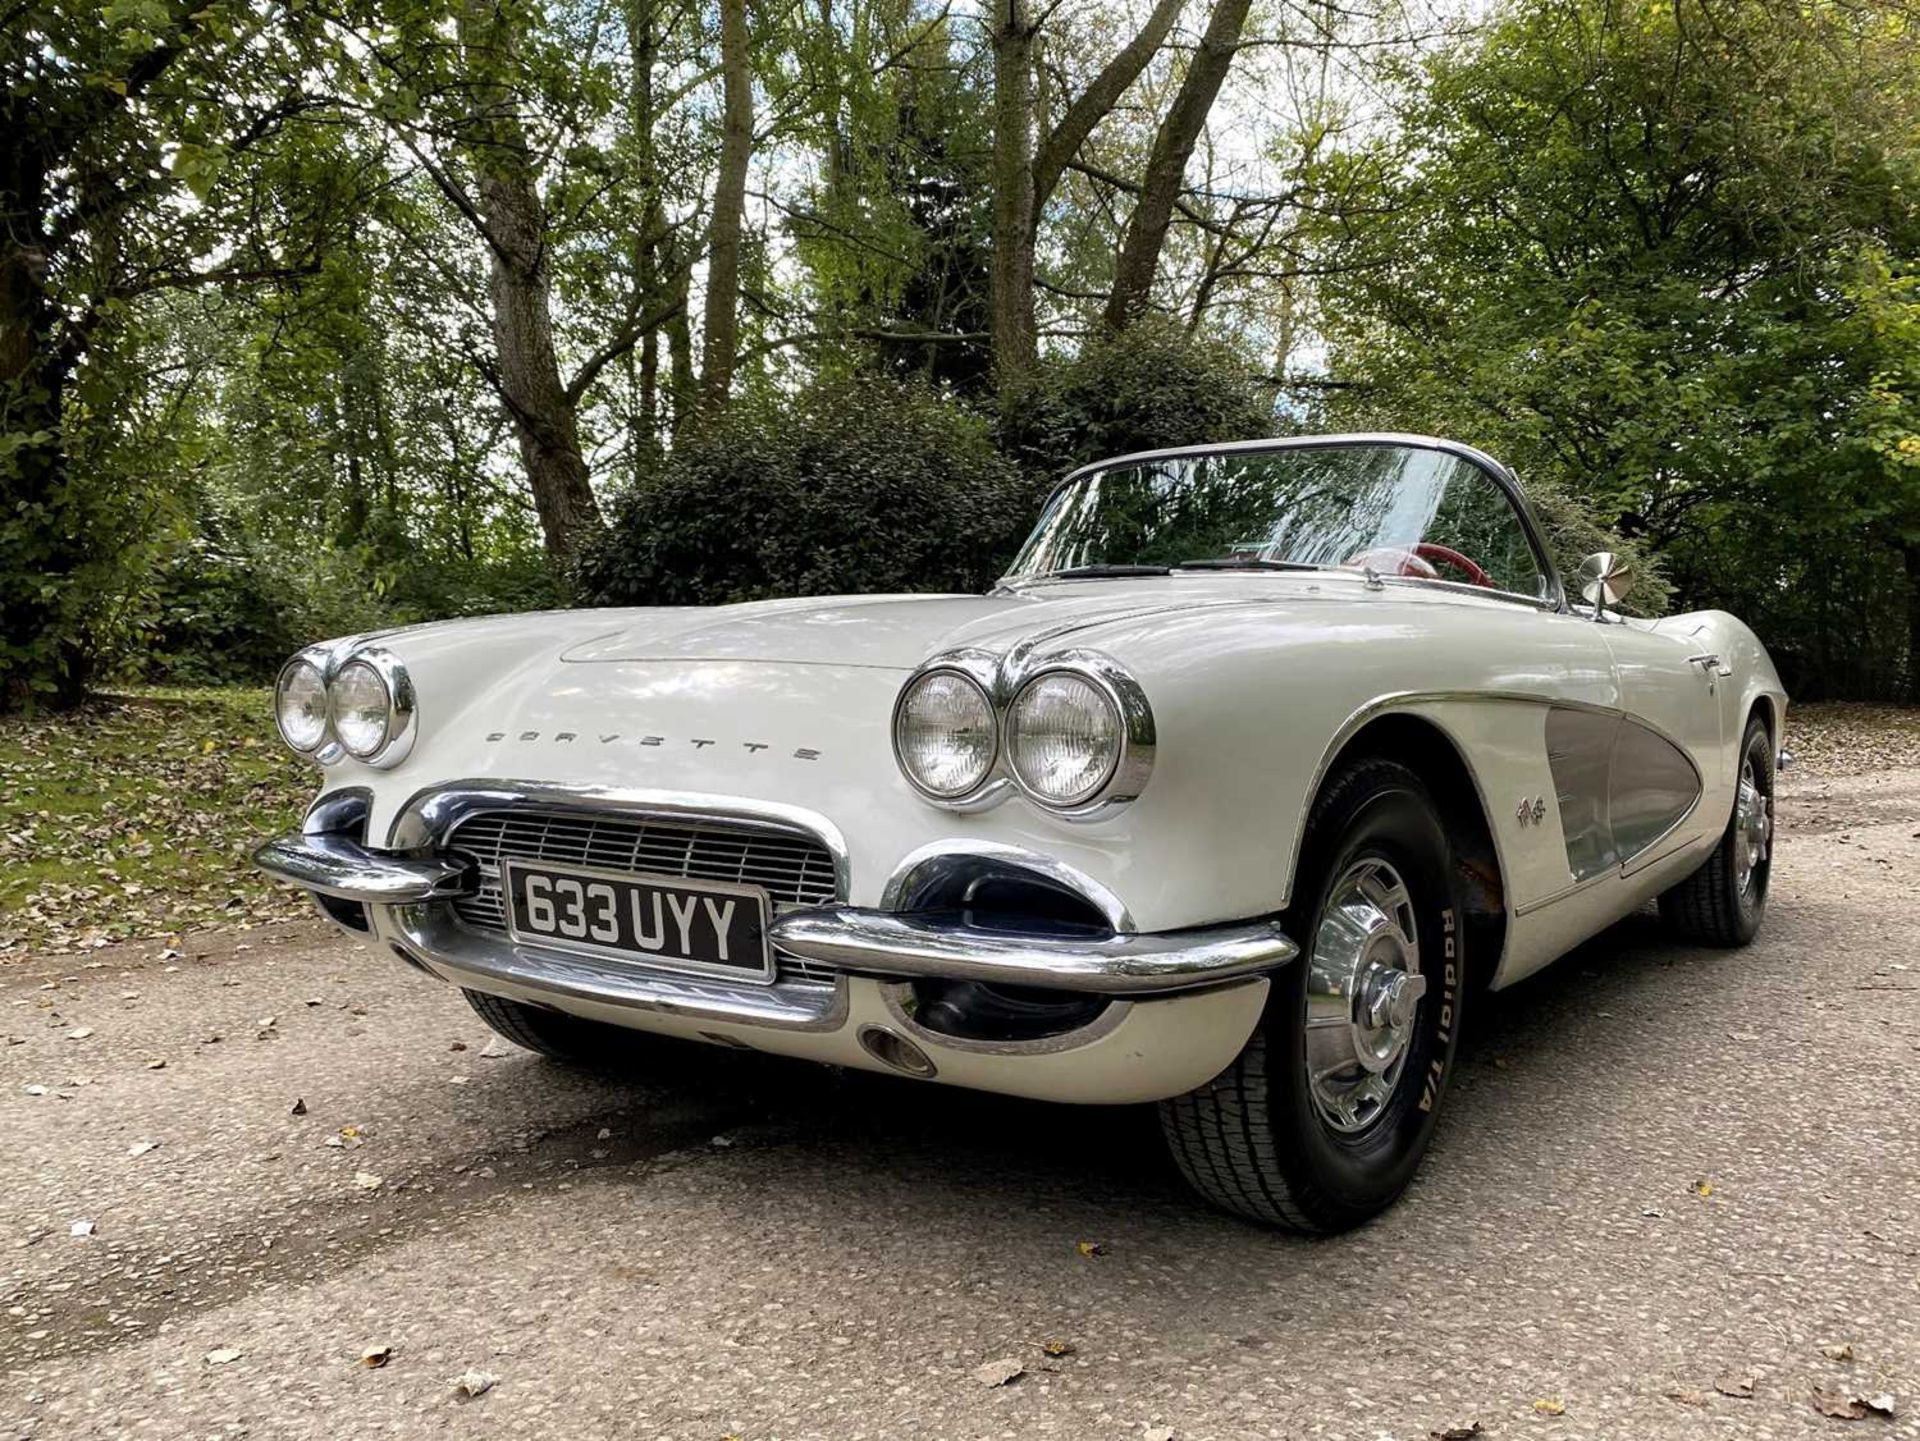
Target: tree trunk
1139,257
42,549
682,385
1014,340
720,333
520,285
643,47
1910,554
1095,102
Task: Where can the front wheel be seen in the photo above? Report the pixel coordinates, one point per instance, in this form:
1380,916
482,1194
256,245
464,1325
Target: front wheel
1723,903
1321,1121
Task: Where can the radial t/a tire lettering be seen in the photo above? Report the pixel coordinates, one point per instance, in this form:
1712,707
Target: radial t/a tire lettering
1322,1120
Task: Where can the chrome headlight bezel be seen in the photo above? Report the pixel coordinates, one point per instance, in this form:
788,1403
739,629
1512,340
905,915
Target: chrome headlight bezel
329,659
1002,679
969,795
402,708
313,658
1133,734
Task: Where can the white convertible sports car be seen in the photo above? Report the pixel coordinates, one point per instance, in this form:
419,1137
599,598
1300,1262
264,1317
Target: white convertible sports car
1257,765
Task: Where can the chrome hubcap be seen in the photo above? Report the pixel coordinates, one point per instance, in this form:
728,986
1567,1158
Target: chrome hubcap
1363,993
1752,827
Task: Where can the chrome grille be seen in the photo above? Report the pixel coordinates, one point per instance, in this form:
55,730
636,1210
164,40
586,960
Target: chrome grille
795,870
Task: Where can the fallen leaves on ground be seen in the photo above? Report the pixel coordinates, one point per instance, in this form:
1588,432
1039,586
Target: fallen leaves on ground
1550,1406
374,1357
1840,1352
1002,1371
1055,1346
1457,1433
367,1181
1090,1249
1848,738
475,1383
1852,1406
1702,1188
1687,1397
136,816
1734,1383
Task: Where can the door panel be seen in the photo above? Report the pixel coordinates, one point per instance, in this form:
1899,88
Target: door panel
1678,700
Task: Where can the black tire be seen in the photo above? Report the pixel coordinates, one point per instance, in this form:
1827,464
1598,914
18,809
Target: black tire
553,1034
1254,1140
1712,907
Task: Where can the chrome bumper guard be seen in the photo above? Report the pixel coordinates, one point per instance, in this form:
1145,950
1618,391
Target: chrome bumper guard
334,865
868,942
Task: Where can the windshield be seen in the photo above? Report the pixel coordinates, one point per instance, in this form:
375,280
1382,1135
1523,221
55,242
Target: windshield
1400,510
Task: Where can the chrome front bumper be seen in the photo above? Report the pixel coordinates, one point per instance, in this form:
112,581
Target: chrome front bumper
859,941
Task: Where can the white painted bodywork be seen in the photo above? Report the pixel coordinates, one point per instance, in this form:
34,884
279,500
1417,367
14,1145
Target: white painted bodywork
1257,681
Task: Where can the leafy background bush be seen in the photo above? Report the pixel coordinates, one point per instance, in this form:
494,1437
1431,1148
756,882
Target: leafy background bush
863,484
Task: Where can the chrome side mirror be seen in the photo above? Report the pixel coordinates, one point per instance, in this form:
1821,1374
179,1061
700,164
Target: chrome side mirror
1605,579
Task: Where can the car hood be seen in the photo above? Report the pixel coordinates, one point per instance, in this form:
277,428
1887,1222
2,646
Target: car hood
900,631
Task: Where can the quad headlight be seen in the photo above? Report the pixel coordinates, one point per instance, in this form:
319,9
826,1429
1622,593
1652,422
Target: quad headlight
945,734
336,700
300,704
1073,732
1064,738
362,709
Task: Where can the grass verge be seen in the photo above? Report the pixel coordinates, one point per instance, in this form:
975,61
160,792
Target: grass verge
135,816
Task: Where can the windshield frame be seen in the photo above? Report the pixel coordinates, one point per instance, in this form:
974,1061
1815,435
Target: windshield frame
1509,484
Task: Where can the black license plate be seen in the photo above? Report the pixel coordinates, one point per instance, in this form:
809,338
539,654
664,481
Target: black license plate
706,926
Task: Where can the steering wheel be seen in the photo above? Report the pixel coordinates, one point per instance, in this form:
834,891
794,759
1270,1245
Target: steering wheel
1417,560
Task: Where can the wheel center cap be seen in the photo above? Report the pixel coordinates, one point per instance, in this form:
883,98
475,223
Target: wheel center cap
1387,999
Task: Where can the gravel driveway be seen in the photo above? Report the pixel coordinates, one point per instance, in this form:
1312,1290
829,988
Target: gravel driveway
1663,1176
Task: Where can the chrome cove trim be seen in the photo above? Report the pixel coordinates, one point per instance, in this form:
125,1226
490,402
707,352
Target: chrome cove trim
403,705
429,814
1556,598
479,962
335,865
1002,678
898,998
943,866
1141,963
1406,700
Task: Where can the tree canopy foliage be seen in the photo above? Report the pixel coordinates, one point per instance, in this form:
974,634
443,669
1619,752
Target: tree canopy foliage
318,318
1668,260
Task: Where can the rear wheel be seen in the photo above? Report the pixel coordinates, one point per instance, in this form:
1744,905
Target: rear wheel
553,1034
1724,902
1321,1121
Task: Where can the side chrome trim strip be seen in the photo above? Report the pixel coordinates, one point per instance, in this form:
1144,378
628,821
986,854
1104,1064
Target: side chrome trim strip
890,944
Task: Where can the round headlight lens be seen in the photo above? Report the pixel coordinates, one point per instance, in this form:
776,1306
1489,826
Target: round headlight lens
362,708
300,705
1063,738
943,733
